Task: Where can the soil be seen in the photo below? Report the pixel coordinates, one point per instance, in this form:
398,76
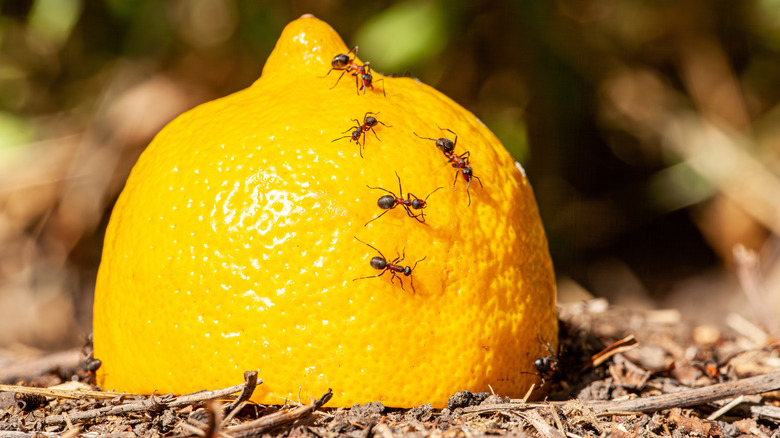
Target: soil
618,373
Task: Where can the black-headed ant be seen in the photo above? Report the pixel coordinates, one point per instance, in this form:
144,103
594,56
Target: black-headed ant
389,202
368,125
547,367
381,263
460,162
365,79
362,73
343,62
445,145
468,174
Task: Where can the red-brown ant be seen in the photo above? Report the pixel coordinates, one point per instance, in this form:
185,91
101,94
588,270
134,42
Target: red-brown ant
362,73
366,79
468,174
343,62
445,145
389,202
381,263
460,162
368,125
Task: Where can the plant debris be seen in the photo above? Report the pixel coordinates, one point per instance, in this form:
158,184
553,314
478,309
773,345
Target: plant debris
619,373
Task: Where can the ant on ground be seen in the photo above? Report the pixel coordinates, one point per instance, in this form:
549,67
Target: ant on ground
389,202
368,125
547,367
362,73
381,263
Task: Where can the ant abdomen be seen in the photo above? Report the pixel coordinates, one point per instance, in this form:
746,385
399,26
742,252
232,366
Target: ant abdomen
385,202
380,263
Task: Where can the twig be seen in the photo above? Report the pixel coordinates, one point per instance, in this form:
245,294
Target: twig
623,345
153,403
250,383
13,434
262,425
715,415
62,393
556,419
693,397
746,261
540,425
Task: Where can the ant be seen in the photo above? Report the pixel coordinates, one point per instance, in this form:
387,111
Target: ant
468,174
547,368
368,125
343,62
362,73
460,162
366,78
389,202
381,263
445,145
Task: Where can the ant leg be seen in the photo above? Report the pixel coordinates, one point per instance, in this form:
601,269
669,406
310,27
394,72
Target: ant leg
357,85
434,191
412,215
400,258
418,261
346,136
380,188
370,276
326,74
399,279
454,143
424,138
456,178
380,252
337,80
377,137
478,180
411,280
372,220
383,86
400,190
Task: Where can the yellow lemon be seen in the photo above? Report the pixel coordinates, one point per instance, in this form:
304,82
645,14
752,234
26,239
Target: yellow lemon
241,242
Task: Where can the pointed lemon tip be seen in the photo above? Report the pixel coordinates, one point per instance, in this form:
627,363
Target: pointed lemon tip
306,46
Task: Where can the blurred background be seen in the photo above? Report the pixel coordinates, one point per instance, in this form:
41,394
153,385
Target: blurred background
650,131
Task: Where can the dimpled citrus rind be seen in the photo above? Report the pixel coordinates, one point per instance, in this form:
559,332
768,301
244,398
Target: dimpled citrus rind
233,247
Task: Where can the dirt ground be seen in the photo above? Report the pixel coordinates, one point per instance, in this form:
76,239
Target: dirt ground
618,373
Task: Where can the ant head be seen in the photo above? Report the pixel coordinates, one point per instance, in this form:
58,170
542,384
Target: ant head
367,78
541,364
407,271
467,171
340,61
445,145
418,204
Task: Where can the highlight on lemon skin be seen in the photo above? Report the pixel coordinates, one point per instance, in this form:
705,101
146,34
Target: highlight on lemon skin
280,229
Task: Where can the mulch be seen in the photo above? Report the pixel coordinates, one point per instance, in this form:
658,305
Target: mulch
618,372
